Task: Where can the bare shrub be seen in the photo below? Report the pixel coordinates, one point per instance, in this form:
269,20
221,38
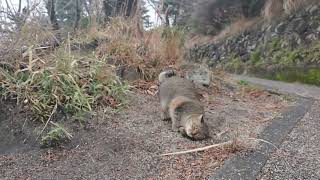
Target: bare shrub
149,53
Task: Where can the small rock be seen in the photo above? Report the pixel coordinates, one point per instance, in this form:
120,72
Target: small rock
199,75
299,25
312,9
128,73
211,62
311,37
251,47
299,41
245,57
280,28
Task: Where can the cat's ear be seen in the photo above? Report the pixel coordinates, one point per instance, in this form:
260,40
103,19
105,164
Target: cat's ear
201,118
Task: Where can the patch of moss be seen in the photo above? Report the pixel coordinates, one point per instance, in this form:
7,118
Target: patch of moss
235,65
274,45
255,57
311,76
243,82
260,65
288,58
312,54
281,63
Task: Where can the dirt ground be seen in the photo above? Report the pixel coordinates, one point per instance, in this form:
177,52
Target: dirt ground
126,145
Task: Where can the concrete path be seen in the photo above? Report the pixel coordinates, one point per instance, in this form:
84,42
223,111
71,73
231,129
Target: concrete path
283,87
297,155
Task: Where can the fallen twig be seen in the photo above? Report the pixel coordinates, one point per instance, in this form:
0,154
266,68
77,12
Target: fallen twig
215,145
199,149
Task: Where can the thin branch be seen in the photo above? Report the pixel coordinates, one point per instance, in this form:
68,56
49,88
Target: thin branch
199,149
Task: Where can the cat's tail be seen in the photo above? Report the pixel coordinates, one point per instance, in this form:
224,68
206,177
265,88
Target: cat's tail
166,74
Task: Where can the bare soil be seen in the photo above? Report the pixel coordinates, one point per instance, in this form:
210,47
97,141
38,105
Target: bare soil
126,145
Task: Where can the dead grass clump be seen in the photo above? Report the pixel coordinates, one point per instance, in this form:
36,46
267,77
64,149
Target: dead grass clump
198,39
273,9
277,8
290,6
149,53
237,27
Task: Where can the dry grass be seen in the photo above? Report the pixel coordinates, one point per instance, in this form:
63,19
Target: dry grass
273,9
277,8
291,6
198,40
155,50
235,28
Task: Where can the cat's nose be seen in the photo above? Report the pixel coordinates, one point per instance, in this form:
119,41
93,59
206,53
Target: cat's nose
195,131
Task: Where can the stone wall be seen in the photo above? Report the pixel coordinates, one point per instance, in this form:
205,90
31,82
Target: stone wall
298,30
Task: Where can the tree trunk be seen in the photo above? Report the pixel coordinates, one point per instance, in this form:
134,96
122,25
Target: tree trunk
138,18
54,21
52,14
86,7
108,9
167,20
78,15
126,8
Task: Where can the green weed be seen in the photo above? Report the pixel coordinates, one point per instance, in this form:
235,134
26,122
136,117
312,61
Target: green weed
55,136
255,57
235,65
77,84
243,83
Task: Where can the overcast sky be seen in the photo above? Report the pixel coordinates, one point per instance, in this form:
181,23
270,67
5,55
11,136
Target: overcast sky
153,15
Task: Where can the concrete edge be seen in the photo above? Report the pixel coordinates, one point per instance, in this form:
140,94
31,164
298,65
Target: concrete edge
284,88
248,165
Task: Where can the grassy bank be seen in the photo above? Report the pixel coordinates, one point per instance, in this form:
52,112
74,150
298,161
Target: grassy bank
276,62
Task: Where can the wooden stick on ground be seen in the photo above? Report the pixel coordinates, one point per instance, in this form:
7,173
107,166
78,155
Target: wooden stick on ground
199,149
216,145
